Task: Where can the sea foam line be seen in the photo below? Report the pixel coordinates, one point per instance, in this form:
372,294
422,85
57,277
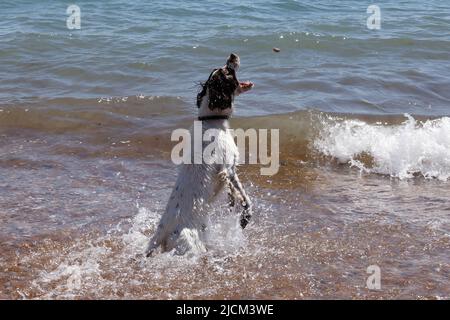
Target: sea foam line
402,151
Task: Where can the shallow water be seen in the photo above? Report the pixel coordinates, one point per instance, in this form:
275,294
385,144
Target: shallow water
85,170
303,246
75,227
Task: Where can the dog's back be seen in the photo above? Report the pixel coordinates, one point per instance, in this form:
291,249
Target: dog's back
184,221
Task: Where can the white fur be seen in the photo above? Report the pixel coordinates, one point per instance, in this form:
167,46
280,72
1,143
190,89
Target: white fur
182,226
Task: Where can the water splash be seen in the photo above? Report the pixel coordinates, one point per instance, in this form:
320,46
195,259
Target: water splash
402,151
108,262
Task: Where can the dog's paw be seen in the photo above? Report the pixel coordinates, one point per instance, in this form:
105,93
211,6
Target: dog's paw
151,250
245,219
247,213
150,253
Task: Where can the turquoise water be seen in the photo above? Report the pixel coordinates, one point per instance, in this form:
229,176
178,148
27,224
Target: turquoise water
329,59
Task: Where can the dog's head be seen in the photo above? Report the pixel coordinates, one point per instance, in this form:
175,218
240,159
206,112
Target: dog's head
221,86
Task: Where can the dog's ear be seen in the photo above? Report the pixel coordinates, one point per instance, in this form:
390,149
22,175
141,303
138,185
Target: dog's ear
222,86
204,87
201,94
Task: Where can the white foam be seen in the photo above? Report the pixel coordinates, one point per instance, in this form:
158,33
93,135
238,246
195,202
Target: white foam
224,233
401,151
135,239
75,272
82,268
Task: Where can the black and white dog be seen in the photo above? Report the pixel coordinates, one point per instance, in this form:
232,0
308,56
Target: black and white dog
183,223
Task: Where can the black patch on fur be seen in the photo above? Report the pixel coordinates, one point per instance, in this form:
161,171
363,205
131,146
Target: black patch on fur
222,85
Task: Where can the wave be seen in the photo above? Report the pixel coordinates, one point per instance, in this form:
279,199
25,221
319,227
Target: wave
413,148
400,146
65,115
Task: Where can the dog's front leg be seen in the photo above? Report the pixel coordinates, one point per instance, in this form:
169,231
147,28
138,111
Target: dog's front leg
158,240
231,190
154,243
231,195
236,184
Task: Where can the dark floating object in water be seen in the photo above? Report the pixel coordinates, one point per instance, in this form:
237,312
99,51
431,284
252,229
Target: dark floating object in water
276,49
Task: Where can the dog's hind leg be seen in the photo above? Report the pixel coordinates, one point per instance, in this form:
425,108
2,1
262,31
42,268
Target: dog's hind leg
158,240
154,244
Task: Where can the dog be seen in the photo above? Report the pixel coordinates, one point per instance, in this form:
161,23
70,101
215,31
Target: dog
182,226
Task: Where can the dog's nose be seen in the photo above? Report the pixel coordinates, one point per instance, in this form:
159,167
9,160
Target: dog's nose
233,62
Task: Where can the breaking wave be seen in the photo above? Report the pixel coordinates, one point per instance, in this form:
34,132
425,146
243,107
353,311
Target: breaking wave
413,148
383,144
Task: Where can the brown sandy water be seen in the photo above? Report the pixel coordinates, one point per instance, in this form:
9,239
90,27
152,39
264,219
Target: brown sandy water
81,192
84,179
